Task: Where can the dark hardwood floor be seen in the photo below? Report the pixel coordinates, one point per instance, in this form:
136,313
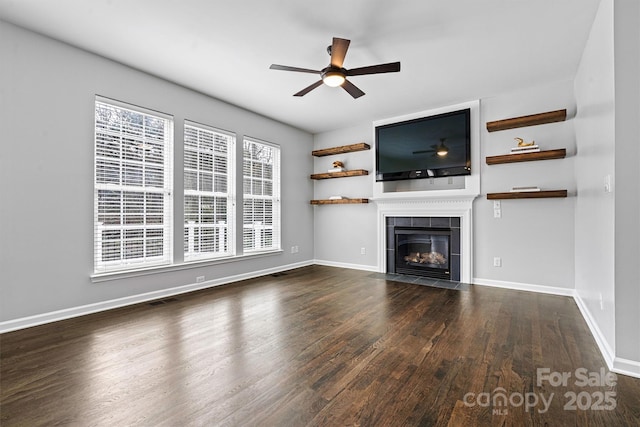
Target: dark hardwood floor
317,346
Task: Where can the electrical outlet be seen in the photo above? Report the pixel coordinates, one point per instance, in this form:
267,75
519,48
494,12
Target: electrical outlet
497,261
293,249
450,181
497,210
296,249
199,279
363,251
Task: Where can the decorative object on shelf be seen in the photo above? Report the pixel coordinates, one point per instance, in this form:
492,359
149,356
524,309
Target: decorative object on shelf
524,189
336,197
338,166
531,120
525,147
521,143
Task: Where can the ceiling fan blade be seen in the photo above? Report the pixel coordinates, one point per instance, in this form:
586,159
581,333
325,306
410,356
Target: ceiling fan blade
391,67
308,89
352,89
287,68
339,51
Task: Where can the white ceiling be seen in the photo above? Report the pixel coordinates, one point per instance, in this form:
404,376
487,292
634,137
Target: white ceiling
451,50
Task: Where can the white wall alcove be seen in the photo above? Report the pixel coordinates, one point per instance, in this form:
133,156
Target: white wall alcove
439,197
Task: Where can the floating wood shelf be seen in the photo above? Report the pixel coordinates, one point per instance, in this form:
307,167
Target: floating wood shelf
338,201
527,157
527,195
361,146
534,119
355,172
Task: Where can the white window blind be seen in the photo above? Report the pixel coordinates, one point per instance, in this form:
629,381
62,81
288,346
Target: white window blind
208,189
133,187
261,189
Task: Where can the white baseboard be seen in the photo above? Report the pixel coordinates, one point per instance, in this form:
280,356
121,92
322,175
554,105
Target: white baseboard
626,367
601,341
54,316
615,364
524,287
373,268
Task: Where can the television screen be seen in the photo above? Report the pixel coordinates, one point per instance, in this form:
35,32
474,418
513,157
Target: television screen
427,147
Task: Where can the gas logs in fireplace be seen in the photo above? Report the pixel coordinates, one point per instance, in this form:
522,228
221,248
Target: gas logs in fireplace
423,251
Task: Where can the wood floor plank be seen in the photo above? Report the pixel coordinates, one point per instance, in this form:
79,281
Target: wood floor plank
315,346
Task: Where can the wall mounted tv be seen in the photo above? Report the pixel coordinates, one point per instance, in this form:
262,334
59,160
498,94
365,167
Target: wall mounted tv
427,147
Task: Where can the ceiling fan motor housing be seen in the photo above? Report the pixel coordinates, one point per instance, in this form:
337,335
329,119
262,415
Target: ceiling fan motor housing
333,76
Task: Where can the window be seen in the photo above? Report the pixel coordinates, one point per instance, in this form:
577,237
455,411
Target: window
133,187
208,190
261,188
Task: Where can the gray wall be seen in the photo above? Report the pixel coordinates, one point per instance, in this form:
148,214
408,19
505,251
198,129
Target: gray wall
533,237
595,208
608,224
341,231
627,197
47,92
530,232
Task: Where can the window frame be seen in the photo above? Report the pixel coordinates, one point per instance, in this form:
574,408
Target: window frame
230,205
274,198
143,198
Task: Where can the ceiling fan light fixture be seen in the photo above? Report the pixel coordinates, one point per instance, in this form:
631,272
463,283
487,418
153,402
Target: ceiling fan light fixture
333,78
335,75
442,150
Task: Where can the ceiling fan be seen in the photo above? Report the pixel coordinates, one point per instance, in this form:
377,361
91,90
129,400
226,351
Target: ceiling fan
437,150
335,75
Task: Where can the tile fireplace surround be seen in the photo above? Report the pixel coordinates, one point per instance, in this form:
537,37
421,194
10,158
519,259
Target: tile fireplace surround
433,224
454,209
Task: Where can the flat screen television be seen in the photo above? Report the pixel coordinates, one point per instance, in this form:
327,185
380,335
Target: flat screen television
427,147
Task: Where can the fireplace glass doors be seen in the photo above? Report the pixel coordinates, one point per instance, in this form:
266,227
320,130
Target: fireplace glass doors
423,251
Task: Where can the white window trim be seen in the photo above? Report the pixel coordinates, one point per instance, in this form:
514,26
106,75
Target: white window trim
230,195
125,274
107,267
276,207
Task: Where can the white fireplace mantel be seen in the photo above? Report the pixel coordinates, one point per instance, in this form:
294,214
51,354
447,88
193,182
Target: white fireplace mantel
460,206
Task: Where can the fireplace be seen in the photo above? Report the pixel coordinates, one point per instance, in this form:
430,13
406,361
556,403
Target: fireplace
423,251
424,246
431,209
